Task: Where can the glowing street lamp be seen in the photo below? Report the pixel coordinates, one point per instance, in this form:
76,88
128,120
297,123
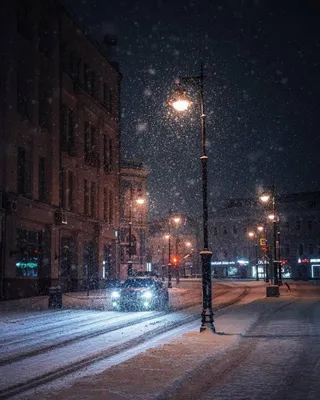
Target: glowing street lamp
270,198
176,220
181,102
255,235
139,200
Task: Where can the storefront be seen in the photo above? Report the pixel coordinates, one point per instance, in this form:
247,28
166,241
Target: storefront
315,268
230,269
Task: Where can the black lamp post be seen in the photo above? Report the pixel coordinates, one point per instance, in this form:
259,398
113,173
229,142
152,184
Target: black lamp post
139,200
274,218
169,254
181,103
256,237
130,233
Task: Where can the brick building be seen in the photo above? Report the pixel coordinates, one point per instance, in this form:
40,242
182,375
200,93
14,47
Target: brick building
59,153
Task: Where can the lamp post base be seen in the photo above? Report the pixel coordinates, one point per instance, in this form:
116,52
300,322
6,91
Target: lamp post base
130,268
207,325
169,276
207,312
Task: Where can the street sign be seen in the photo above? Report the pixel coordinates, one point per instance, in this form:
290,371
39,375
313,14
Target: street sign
263,241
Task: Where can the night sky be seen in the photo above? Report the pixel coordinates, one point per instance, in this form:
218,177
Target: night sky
262,94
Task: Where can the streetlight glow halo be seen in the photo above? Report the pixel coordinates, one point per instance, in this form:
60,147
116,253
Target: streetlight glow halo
180,101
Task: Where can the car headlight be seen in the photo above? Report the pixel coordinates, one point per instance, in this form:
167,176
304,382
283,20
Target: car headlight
147,295
115,295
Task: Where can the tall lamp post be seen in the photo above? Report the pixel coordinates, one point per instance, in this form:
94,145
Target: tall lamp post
139,200
270,198
181,102
256,236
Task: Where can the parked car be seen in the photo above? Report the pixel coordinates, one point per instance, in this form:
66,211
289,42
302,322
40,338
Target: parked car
142,293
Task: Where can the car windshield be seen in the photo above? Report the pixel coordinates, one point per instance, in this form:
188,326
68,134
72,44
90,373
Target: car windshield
137,283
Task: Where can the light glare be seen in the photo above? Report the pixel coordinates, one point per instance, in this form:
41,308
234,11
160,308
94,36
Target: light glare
181,105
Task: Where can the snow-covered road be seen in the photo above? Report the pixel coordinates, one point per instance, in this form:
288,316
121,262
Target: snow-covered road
265,348
55,347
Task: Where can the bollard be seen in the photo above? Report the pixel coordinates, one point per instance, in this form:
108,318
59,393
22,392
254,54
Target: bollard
55,297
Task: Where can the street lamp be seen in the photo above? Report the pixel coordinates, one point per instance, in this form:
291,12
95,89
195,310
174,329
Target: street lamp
255,235
139,200
181,102
176,220
270,198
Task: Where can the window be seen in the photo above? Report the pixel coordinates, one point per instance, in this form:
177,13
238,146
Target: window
105,204
309,224
63,188
45,103
23,172
215,231
110,101
93,83
105,94
93,199
298,224
225,231
24,91
71,132
42,180
107,154
310,249
300,250
70,191
91,155
86,197
89,137
24,25
111,206
45,40
235,230
287,250
86,77
28,257
67,130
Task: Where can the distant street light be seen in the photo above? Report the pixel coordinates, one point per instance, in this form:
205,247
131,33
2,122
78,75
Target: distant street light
270,198
255,235
176,220
181,102
139,200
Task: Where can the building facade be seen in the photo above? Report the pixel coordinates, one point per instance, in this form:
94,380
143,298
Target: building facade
133,181
235,254
59,153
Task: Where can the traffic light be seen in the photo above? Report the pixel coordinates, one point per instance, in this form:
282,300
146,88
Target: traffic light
174,260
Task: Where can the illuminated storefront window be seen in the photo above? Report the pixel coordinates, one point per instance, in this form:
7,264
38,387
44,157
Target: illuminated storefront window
28,243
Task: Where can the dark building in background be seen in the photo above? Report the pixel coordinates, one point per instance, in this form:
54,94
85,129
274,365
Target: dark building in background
59,153
234,253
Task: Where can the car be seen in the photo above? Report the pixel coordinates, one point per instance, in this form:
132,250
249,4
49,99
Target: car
142,293
147,274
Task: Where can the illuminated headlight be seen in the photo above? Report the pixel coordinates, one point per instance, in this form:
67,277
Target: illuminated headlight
115,295
114,304
147,295
146,304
